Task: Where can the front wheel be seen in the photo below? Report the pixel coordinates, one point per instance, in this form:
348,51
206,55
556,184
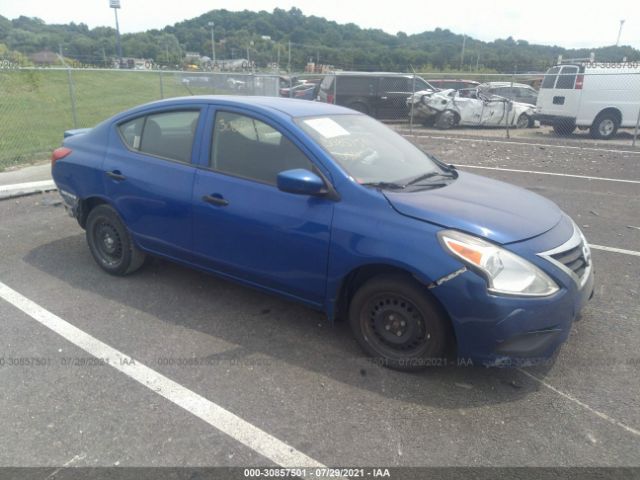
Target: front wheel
110,243
523,121
396,321
446,120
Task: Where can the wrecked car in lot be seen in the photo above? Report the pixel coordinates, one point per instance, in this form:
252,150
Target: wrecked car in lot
469,107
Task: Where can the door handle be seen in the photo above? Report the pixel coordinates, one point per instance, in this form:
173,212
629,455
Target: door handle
215,200
384,98
116,175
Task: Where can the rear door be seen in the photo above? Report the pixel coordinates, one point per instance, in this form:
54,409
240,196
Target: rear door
392,97
560,91
148,175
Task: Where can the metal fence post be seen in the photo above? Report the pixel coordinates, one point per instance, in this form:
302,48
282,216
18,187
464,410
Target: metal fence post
335,88
161,85
72,96
413,93
508,106
635,132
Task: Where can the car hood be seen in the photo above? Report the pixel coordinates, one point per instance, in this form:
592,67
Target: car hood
481,206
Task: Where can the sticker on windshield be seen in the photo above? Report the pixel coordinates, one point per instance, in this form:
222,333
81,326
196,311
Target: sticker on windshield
327,127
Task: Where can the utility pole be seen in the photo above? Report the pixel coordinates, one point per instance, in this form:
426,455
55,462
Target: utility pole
213,46
619,32
115,4
289,61
477,62
278,62
464,41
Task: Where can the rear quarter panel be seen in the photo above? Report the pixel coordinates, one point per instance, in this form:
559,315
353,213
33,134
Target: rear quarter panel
80,173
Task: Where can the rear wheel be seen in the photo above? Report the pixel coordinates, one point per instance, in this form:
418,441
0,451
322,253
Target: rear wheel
110,243
605,126
396,321
564,128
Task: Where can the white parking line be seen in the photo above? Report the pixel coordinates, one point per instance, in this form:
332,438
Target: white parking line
615,250
536,172
244,432
531,144
573,399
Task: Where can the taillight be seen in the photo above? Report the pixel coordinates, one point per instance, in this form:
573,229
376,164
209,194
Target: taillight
330,98
579,82
59,153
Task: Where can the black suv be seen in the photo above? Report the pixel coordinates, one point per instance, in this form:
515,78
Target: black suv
381,95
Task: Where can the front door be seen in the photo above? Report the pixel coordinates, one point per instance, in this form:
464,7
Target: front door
247,228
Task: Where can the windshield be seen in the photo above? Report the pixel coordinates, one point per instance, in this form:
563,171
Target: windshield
368,150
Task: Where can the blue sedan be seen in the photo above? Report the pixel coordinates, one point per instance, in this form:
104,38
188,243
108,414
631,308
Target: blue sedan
330,208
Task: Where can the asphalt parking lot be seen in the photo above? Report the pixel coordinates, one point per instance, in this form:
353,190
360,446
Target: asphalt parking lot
303,382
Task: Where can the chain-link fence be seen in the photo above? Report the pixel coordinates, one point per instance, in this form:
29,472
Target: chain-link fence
570,101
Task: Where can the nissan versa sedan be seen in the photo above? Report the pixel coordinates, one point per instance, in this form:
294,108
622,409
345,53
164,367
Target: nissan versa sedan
328,207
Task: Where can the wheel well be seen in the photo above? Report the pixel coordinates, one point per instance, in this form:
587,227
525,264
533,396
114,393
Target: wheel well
613,111
359,276
86,206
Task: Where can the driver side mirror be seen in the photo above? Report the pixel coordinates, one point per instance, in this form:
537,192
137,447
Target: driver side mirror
301,181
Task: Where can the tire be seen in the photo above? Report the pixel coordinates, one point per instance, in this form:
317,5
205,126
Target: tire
605,126
110,242
523,121
359,107
395,321
564,128
446,120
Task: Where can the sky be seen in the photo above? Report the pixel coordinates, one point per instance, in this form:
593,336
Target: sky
569,23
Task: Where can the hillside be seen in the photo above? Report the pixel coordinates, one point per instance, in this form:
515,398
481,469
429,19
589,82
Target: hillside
240,33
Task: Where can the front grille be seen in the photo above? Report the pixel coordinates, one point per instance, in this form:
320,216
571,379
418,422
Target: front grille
573,256
574,259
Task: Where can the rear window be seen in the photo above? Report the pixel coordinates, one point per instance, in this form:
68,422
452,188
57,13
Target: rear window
356,85
550,77
327,82
567,77
394,84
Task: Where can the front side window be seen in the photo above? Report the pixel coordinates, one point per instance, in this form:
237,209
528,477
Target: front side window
246,147
167,135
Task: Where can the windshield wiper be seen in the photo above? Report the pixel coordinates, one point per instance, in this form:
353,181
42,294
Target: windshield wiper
425,176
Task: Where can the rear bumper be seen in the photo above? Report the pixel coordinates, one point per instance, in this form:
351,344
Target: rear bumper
546,119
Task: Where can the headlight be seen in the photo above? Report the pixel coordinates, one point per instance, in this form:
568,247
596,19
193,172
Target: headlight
505,272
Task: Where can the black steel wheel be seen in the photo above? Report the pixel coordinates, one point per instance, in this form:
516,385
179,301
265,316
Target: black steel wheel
397,322
110,242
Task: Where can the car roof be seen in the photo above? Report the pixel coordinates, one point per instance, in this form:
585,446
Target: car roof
453,80
290,107
505,84
375,74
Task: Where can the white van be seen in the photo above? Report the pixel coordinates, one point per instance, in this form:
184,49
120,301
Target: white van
597,96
